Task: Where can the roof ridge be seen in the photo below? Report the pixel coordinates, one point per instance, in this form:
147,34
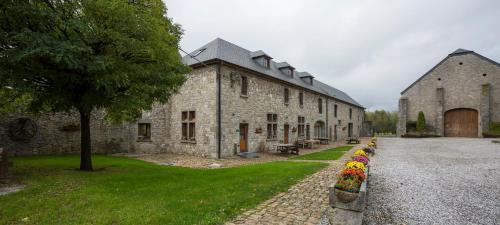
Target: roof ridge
220,49
461,51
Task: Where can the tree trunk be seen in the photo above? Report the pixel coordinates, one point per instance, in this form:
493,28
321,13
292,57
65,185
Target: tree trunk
86,148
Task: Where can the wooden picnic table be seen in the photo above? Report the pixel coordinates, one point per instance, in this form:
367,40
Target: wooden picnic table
285,148
352,140
323,140
311,142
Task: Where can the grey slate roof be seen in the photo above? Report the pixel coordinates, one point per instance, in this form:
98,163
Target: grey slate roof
459,51
259,53
234,54
283,65
305,74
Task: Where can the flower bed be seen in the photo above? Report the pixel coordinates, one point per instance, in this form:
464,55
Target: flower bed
349,192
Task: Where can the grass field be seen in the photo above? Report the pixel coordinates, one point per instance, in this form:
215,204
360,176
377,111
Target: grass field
330,154
129,191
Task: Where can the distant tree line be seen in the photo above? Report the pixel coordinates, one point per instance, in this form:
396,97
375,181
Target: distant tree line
382,121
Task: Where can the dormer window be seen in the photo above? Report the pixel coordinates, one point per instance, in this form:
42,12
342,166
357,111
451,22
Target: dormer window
285,68
261,58
307,77
266,62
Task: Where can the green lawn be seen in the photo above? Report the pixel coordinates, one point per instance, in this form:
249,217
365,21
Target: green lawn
330,154
129,191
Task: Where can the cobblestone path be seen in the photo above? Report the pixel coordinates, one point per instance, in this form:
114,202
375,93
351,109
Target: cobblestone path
303,203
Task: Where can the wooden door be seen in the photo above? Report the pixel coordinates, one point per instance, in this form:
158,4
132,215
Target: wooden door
461,123
243,137
349,130
286,127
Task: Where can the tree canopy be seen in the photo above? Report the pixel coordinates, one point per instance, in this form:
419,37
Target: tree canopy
120,56
382,121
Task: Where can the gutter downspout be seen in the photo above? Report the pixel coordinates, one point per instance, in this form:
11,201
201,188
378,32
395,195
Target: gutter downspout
327,124
218,109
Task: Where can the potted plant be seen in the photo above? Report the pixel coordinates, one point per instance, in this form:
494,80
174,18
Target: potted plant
369,151
362,159
348,184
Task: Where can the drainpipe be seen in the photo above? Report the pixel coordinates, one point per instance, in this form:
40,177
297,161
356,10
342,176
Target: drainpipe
218,110
327,128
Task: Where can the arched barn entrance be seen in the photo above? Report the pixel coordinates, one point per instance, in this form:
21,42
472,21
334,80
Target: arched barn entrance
460,123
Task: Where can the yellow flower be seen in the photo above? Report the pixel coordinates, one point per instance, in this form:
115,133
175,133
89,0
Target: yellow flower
355,165
359,152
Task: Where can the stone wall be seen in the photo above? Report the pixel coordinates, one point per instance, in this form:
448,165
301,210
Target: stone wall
366,129
58,133
457,83
267,96
197,94
159,118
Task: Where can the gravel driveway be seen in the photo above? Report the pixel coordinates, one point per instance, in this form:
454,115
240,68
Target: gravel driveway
434,181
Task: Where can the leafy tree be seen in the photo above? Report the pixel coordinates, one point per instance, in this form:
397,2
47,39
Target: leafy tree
421,122
85,55
13,101
382,121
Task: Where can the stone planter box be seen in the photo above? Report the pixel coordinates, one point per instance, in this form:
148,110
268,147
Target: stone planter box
358,204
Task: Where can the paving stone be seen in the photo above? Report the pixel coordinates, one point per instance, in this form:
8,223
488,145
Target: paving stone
303,203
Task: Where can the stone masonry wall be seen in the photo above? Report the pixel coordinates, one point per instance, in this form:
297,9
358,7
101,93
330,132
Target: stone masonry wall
52,138
159,118
267,96
197,94
461,86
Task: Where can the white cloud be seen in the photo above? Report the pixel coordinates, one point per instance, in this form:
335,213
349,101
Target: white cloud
370,49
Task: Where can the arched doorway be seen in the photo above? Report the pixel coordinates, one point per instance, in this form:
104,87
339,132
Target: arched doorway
461,123
319,129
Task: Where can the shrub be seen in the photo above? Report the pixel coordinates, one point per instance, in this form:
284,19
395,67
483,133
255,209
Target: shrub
349,185
495,127
355,165
362,159
355,174
421,122
359,152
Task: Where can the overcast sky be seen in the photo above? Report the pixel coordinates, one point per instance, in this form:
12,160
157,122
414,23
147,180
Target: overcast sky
370,49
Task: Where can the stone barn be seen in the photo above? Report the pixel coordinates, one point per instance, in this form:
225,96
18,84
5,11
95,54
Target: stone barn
233,101
460,97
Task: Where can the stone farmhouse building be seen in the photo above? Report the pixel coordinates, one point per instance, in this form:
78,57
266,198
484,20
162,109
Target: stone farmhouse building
234,100
460,97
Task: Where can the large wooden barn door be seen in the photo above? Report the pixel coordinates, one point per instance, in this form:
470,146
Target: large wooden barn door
460,123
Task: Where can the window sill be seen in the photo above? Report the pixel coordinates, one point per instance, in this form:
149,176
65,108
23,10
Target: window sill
145,140
188,142
243,96
286,104
301,106
270,140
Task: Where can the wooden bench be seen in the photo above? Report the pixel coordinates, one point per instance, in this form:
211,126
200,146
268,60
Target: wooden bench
323,141
352,140
286,148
